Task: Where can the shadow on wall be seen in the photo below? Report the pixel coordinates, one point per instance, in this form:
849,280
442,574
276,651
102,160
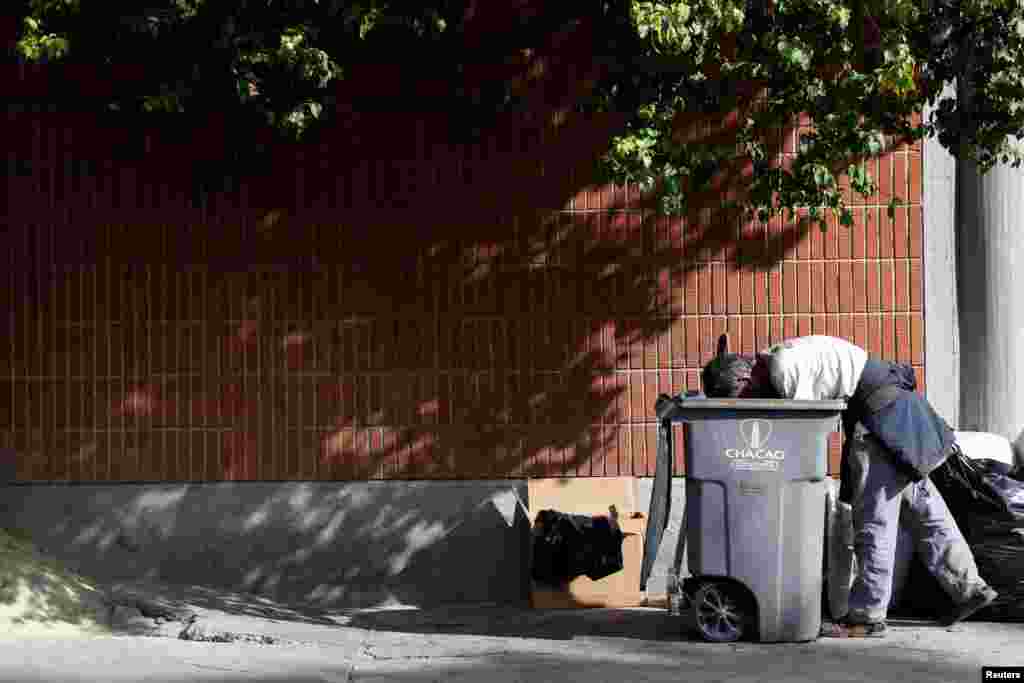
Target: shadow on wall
386,305
355,544
381,303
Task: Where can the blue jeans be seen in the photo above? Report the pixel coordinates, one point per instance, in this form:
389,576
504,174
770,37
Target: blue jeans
879,489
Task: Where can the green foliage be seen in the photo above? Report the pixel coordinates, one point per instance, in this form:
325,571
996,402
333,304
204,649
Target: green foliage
861,68
870,92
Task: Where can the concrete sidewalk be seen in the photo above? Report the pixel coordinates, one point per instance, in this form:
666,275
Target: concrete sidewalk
203,635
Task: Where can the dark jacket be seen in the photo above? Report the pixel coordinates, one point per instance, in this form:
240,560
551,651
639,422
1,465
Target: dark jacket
888,406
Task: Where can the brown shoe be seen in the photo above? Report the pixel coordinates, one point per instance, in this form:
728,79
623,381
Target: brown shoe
979,600
842,629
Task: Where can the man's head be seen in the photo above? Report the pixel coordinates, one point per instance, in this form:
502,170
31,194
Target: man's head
734,375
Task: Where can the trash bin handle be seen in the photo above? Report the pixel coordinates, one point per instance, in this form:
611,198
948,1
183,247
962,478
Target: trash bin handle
665,406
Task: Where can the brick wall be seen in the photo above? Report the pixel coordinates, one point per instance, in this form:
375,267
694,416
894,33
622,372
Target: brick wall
386,303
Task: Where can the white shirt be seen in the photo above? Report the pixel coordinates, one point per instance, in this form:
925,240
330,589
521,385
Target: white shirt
816,368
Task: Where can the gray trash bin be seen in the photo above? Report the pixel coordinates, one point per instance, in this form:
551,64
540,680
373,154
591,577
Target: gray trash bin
755,514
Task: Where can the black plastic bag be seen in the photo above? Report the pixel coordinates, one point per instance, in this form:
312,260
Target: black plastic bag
977,491
567,546
987,502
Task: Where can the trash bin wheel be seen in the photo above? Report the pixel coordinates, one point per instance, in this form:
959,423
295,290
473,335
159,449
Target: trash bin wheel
721,613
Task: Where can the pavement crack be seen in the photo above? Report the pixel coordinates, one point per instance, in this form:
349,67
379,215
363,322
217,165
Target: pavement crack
368,651
218,668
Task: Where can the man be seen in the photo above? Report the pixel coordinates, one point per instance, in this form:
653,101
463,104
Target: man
894,440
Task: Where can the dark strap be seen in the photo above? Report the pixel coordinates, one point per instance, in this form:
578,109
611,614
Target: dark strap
661,500
881,397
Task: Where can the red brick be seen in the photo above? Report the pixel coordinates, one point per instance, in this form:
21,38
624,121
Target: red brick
789,327
833,285
873,290
590,444
709,333
604,452
844,239
817,287
847,292
830,241
446,402
860,285
516,331
705,290
763,337
902,285
803,247
637,442
692,379
693,342
759,283
846,328
889,337
903,343
631,353
718,297
691,292
816,238
426,403
650,436
901,234
672,284
737,294
871,229
732,326
859,234
716,250
885,235
832,326
745,283
917,339
860,331
914,164
636,410
748,338
803,277
874,341
625,452
834,454
916,236
662,383
620,387
873,169
677,382
679,450
885,178
916,285
790,288
677,343
775,237
662,343
887,285
775,331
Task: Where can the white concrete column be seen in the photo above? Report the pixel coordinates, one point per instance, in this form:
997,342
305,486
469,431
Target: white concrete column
941,334
990,297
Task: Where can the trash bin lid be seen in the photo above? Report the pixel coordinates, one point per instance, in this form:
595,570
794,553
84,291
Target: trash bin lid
668,407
